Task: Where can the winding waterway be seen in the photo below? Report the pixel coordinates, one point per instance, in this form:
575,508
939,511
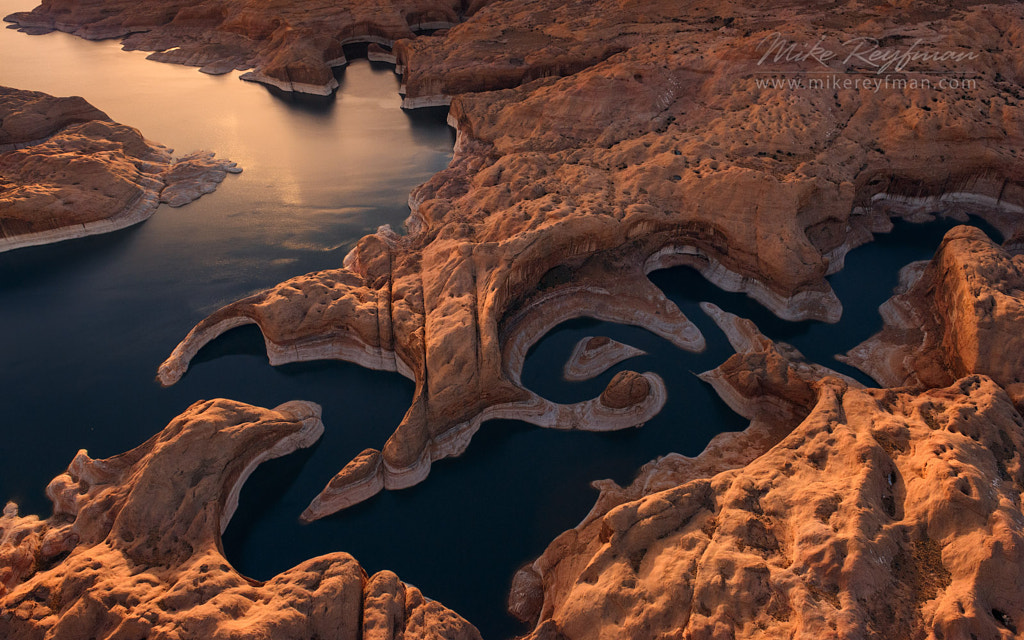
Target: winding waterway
84,325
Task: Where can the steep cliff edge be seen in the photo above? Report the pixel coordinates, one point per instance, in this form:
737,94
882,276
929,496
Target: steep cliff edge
961,312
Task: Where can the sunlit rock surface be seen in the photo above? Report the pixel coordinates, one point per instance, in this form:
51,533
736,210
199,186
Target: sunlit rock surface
133,548
68,171
600,141
961,312
840,512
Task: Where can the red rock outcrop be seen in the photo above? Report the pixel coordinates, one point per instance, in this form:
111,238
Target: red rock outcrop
564,192
68,171
292,45
29,117
881,514
961,312
133,548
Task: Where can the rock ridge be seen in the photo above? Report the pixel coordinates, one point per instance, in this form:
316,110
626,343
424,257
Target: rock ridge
133,548
960,312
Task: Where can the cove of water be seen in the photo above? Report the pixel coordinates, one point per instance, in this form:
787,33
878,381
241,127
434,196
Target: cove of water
479,517
84,325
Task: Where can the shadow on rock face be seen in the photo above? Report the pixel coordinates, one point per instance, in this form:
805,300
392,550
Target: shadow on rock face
134,545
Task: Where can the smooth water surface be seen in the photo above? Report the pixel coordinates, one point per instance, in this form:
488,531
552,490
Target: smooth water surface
84,325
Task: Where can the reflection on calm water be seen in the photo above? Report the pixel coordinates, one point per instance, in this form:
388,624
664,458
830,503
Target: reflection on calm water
84,325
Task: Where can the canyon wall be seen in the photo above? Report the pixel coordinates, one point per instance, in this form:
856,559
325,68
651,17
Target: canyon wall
600,141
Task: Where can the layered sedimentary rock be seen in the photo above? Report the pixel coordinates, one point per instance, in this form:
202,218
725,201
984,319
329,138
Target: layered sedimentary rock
565,191
133,548
68,171
881,513
961,312
594,355
292,46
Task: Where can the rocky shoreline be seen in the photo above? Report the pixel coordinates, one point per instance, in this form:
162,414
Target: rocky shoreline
133,548
598,142
292,48
67,171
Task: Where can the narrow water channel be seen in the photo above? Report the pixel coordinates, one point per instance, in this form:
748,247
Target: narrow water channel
84,325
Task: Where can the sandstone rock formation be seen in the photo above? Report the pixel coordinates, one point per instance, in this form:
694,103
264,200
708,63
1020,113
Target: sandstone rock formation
592,356
882,514
961,312
68,171
466,371
291,46
600,141
133,548
564,192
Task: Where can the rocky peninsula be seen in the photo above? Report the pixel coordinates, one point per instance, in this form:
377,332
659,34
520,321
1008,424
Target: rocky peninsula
68,171
601,141
291,46
133,548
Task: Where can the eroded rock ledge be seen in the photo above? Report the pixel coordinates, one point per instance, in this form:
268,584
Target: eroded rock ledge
880,514
133,548
67,171
961,312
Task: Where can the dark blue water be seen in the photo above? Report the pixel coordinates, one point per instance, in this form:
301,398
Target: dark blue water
461,534
84,325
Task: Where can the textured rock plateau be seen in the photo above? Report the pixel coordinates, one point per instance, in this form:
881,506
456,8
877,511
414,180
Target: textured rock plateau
565,191
883,514
133,548
599,141
68,171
